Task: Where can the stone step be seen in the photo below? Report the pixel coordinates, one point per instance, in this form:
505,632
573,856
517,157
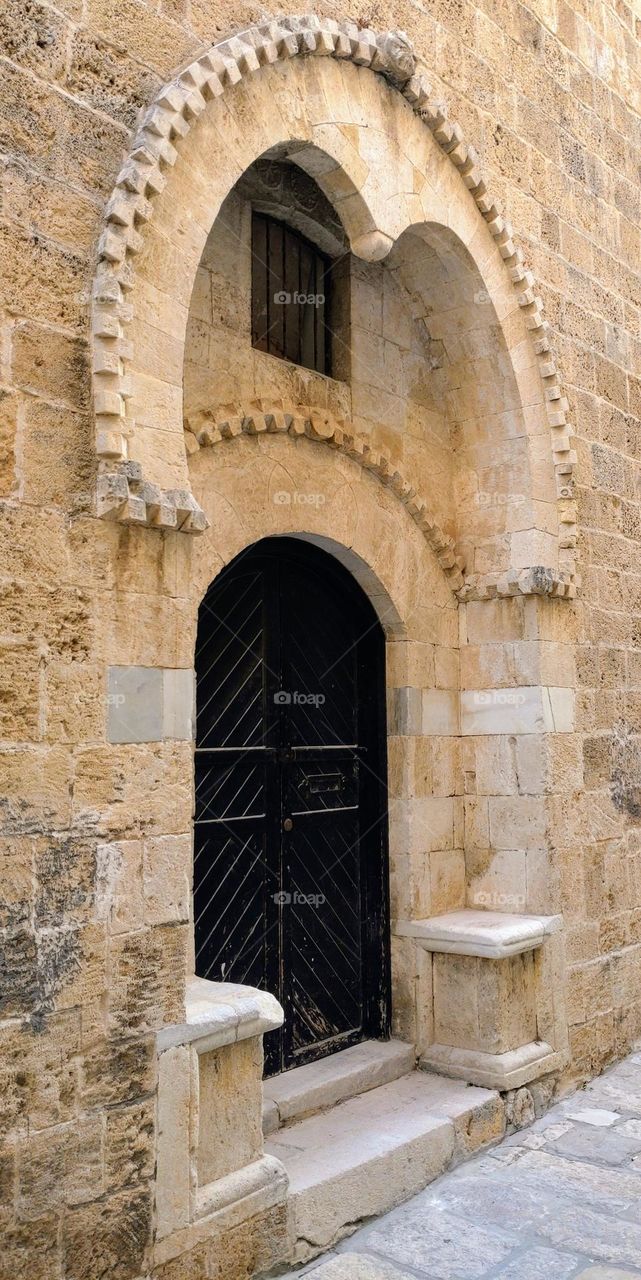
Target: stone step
305,1090
366,1155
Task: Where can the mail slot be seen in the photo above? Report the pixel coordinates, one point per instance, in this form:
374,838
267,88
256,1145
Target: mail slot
316,782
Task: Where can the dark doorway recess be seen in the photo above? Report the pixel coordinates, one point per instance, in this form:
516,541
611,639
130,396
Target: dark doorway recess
290,870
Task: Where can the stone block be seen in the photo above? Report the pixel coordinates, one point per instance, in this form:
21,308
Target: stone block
178,704
167,878
110,1235
134,704
147,978
149,704
61,1166
51,364
440,712
502,711
114,1072
119,885
129,1145
173,1181
484,1004
229,1109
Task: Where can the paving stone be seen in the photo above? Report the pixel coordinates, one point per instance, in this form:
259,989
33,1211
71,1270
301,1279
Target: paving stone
439,1243
630,1129
595,1116
607,1273
613,1095
612,1189
540,1264
355,1266
594,1235
604,1146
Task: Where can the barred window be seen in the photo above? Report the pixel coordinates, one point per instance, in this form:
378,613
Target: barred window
290,295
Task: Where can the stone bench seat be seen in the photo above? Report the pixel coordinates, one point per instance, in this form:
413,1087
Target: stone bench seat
494,935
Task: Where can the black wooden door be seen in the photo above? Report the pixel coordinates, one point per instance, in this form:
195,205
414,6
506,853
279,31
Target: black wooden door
290,872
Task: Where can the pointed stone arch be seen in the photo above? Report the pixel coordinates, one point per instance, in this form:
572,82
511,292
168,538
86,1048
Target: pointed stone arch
374,216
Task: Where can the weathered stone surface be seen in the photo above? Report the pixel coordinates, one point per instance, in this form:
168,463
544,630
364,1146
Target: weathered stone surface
60,1166
439,449
516,1211
229,1084
129,1145
111,1235
8,423
359,1267
147,978
117,1071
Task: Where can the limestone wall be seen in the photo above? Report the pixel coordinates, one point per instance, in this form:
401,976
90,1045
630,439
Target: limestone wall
94,896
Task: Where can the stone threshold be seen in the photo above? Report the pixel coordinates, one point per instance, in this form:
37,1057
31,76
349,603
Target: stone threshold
492,935
368,1154
299,1093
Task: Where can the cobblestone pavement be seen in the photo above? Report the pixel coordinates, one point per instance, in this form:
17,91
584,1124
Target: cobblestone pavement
557,1200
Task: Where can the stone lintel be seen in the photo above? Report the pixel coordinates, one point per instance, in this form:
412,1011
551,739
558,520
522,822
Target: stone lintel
493,935
219,1013
500,1071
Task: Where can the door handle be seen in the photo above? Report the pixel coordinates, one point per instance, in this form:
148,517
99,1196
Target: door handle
288,824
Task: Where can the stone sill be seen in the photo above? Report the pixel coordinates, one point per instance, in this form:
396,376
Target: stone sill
493,935
219,1013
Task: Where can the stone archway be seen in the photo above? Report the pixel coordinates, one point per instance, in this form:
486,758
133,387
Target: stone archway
162,219
463,832
363,525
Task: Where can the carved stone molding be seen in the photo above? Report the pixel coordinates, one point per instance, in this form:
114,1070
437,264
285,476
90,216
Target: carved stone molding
142,178
205,430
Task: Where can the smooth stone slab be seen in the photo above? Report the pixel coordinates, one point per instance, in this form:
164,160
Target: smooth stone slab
218,1013
356,1266
595,1115
323,1084
603,1146
491,1070
491,934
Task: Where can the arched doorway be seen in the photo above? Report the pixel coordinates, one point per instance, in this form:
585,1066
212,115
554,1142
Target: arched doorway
290,858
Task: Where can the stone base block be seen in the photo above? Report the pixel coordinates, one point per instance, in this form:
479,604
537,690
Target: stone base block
246,1199
501,1071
